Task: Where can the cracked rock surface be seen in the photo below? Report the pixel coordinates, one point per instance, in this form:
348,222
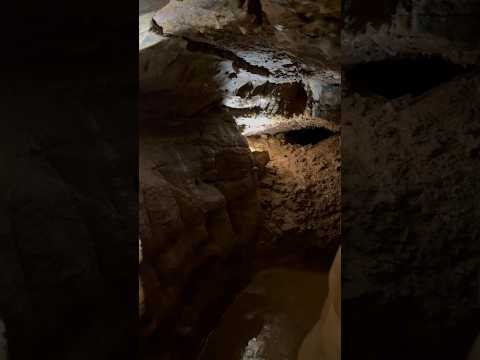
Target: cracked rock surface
251,56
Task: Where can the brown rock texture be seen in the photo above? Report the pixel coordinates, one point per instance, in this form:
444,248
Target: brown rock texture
199,212
300,191
199,216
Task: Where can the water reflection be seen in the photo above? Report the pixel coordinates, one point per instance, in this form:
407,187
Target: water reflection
270,318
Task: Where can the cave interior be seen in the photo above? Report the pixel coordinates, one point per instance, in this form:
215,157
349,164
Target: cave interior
239,175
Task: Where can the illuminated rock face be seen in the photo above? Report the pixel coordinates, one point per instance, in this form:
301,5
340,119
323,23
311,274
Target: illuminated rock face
257,72
300,189
199,213
198,180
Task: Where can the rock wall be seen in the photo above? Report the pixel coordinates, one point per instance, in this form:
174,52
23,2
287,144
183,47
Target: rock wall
199,214
199,211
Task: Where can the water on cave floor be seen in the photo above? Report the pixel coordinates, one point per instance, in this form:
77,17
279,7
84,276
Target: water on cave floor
270,318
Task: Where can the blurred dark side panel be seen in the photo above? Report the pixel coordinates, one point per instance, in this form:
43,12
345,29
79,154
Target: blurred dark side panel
410,189
68,165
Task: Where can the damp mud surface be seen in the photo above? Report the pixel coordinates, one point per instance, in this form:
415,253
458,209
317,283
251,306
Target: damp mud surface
270,318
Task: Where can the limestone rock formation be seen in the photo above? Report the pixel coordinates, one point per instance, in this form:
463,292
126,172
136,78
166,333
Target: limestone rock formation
198,209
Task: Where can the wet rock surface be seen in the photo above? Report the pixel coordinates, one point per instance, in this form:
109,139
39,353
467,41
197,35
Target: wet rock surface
270,318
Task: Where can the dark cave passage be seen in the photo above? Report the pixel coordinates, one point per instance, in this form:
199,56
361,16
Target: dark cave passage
307,136
394,77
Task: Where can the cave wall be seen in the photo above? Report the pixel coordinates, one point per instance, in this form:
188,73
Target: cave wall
199,212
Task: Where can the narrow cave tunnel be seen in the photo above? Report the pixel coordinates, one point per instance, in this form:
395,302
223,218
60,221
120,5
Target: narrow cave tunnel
395,77
232,202
308,136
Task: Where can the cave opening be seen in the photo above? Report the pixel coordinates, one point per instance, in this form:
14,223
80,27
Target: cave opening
396,77
307,136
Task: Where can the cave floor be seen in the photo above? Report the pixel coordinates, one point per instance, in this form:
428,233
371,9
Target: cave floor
270,318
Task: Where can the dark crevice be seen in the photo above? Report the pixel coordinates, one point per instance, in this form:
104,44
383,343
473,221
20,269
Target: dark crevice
374,12
293,96
393,78
307,18
254,8
307,136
